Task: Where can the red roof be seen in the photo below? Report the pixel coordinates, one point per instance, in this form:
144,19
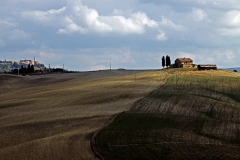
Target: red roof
185,59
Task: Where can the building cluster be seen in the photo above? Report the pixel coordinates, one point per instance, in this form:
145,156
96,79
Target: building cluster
8,66
188,63
34,62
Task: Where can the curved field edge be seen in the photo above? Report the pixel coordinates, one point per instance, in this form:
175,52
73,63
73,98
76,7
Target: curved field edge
54,116
192,116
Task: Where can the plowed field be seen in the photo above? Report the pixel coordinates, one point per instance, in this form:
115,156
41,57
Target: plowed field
194,115
54,116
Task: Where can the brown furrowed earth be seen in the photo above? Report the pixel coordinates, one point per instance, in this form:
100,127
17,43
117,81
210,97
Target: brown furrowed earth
54,116
193,115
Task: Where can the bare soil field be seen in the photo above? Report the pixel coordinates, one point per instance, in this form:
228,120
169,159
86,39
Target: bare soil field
53,116
193,115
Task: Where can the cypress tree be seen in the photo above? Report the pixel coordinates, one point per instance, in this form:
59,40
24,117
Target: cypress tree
29,68
163,62
32,68
21,69
168,61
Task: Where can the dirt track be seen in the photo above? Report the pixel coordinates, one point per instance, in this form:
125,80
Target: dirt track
53,116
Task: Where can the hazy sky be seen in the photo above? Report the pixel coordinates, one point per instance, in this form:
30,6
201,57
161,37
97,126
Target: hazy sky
131,34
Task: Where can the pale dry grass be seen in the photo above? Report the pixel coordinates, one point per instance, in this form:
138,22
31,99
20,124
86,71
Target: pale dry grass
54,116
215,73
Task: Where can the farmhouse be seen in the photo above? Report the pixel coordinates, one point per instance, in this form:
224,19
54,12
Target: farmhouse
207,66
184,63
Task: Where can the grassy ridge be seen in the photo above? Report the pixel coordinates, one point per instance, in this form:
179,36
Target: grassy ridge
192,116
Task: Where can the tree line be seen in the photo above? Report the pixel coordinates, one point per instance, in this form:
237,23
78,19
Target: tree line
25,70
166,61
29,69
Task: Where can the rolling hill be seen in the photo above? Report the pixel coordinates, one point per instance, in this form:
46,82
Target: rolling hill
194,115
53,116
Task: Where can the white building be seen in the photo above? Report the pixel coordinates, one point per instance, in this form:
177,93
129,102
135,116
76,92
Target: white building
27,62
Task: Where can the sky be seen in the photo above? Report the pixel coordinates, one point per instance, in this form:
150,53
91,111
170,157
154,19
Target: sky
85,35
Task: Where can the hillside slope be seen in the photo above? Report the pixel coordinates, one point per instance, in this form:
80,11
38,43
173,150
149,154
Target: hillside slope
194,115
53,116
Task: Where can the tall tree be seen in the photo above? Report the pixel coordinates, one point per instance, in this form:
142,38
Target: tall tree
21,70
29,68
168,61
163,62
32,68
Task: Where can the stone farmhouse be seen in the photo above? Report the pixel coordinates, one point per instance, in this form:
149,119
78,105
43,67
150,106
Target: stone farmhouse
184,63
188,63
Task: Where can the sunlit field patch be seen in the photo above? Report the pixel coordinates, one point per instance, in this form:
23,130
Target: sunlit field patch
195,114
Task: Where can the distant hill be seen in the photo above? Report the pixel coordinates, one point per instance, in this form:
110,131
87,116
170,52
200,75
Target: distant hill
231,69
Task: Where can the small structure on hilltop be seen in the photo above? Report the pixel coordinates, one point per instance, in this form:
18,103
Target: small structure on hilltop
184,63
207,67
188,63
121,69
